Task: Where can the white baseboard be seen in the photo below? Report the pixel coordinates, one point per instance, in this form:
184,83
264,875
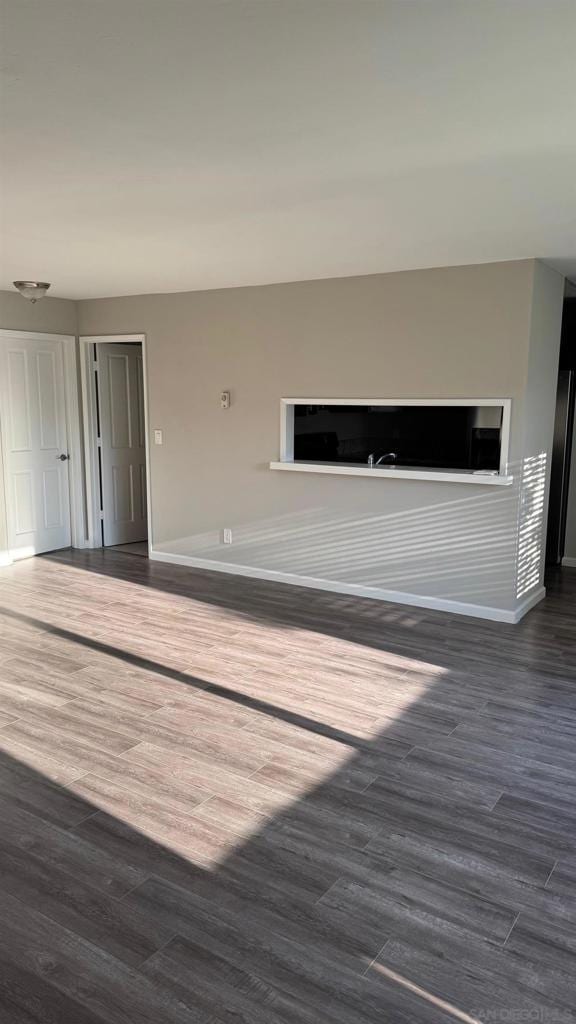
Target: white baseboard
5,558
356,589
569,563
530,602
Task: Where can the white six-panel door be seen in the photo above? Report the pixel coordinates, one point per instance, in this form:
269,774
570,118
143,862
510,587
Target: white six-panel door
32,404
123,443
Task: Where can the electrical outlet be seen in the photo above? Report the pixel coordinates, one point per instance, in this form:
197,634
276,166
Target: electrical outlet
226,536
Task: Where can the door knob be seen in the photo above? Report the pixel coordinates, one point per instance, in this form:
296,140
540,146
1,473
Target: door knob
63,458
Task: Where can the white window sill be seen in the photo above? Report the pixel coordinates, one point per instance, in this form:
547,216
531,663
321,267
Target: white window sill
453,476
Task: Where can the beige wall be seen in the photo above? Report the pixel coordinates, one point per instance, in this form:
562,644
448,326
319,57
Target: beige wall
453,332
51,316
479,331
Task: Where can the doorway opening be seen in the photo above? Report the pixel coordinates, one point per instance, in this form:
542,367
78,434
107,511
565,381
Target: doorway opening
116,449
561,534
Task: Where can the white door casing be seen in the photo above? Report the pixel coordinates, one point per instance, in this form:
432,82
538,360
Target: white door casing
35,437
123,443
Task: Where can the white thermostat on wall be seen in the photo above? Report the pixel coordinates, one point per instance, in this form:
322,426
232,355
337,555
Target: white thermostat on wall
224,399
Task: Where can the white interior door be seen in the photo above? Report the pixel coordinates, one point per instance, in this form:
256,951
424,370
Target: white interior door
123,442
32,406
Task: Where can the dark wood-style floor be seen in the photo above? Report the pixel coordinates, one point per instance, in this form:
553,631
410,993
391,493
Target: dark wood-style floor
230,801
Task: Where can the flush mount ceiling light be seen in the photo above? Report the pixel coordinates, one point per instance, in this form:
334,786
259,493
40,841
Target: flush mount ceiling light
32,290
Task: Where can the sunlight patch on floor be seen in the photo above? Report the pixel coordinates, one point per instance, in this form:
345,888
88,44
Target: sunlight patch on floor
429,997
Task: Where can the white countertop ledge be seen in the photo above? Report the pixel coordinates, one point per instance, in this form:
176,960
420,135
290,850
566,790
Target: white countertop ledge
451,476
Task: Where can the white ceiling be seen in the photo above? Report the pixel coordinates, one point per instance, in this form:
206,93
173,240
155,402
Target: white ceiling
168,145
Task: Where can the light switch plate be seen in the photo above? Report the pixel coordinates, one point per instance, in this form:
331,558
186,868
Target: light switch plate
158,439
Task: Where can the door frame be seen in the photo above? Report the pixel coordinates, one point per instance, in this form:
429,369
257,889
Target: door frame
72,415
93,532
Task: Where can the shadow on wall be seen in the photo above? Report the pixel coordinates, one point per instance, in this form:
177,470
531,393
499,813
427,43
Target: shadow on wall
531,524
266,890
485,548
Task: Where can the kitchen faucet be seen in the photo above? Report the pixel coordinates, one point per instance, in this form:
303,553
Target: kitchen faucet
387,455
